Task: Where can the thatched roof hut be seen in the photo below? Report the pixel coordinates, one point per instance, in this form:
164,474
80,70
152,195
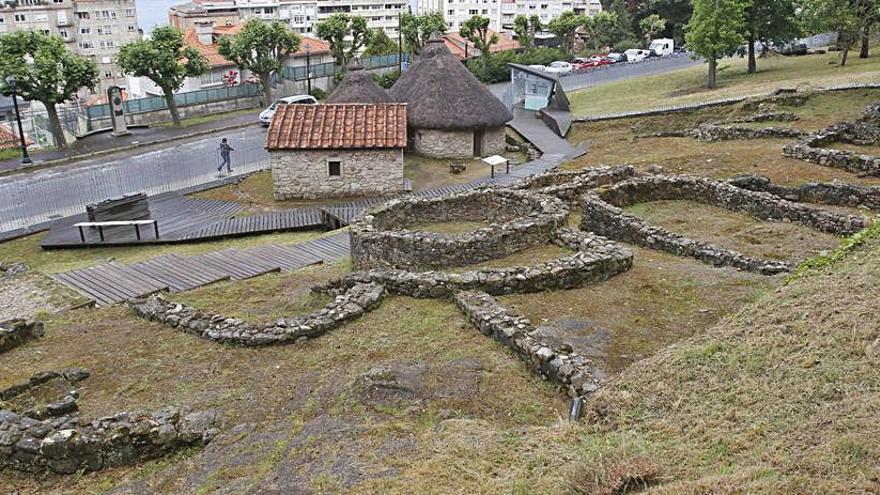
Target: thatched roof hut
441,93
451,113
358,87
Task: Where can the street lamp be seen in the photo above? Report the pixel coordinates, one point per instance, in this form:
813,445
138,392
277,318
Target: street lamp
10,82
308,68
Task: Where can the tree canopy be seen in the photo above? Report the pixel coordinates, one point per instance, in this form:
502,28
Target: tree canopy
602,30
651,27
524,29
346,35
476,30
417,29
715,31
850,18
45,71
565,26
768,21
261,48
164,59
380,44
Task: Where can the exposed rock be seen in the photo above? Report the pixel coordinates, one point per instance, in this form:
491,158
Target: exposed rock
14,333
11,269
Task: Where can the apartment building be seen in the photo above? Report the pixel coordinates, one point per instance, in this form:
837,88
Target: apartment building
217,12
501,13
301,15
94,28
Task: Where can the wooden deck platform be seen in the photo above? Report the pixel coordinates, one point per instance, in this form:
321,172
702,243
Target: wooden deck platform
110,283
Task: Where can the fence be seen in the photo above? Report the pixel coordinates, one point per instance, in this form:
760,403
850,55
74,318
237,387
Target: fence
30,200
329,68
182,99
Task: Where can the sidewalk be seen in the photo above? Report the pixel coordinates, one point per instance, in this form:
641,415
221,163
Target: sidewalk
106,142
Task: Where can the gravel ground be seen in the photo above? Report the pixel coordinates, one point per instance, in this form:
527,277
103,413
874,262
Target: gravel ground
21,297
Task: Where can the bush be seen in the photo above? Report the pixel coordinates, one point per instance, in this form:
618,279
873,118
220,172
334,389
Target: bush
495,69
387,79
319,93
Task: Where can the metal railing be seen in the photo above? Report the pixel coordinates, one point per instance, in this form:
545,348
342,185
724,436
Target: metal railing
188,98
329,68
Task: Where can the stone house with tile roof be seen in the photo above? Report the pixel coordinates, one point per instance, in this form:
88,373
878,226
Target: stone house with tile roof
339,150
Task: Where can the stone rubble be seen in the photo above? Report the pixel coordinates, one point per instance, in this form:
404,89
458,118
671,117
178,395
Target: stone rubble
569,185
711,133
516,220
14,333
571,370
836,193
865,131
604,215
596,259
11,269
64,401
348,305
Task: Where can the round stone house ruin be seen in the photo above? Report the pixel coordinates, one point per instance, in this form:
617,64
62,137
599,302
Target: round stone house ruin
386,237
450,113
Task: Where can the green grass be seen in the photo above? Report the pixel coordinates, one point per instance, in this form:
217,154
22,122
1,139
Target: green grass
688,85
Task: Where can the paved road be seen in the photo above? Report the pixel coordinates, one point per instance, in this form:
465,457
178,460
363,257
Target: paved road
31,198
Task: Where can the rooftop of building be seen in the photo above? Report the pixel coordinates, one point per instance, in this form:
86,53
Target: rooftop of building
338,126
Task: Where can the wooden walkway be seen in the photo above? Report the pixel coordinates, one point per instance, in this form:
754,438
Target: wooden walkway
110,283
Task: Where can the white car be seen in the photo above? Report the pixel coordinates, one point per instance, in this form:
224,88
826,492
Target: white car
560,68
538,67
267,114
636,55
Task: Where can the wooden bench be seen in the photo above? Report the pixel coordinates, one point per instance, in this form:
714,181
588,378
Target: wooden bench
116,223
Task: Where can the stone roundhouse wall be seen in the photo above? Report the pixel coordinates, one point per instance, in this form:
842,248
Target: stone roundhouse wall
13,333
438,143
304,174
570,185
835,193
523,220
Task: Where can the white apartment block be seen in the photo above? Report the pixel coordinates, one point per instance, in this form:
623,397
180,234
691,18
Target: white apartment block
501,13
94,28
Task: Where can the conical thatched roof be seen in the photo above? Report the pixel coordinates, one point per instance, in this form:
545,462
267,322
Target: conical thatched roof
441,93
358,87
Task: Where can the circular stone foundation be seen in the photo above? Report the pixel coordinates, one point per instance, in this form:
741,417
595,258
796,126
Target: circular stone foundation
389,236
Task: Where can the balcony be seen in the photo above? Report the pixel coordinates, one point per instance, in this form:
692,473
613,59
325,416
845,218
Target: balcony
63,22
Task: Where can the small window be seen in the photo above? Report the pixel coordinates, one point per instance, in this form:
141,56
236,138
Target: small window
334,168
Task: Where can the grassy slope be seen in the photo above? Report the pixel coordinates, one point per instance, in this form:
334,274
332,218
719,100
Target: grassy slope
687,85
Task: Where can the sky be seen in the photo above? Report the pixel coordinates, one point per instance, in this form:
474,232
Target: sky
154,12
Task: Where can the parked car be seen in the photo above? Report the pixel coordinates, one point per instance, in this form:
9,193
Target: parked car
636,55
616,58
538,67
793,49
267,114
558,67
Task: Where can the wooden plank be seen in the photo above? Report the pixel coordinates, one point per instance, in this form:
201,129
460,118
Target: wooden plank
84,289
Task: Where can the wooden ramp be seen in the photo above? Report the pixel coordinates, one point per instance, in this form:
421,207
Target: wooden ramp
111,283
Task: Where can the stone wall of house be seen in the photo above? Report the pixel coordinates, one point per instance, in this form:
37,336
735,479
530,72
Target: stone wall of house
347,306
494,141
520,220
603,214
816,148
835,193
712,133
16,332
68,444
569,369
595,259
569,185
435,143
304,174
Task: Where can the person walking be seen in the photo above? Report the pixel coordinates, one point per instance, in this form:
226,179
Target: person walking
225,158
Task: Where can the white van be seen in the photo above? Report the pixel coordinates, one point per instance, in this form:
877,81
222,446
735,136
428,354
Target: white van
267,114
662,47
636,55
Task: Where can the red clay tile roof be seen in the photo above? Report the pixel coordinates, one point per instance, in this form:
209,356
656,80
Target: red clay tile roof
9,139
316,46
338,126
456,44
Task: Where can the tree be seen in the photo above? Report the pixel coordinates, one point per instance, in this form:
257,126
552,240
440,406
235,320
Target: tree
261,48
45,71
380,44
715,31
624,19
524,29
476,30
417,29
165,60
850,18
677,14
564,27
768,21
346,35
651,26
602,30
